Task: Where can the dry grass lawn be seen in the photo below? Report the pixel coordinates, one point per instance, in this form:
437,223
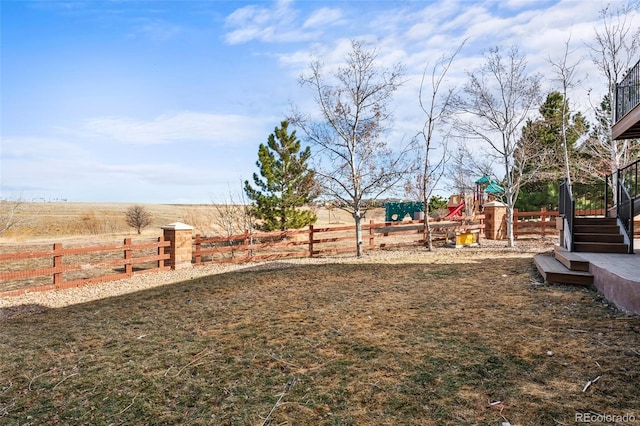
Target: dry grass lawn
464,337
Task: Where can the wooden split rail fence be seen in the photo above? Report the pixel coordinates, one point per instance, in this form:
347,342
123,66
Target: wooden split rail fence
75,266
67,266
322,241
542,222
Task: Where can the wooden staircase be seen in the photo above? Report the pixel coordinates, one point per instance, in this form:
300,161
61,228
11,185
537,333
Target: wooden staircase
598,235
591,235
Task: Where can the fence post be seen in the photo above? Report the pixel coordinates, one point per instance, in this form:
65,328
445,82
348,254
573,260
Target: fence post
198,254
57,263
128,267
372,236
495,220
161,252
515,223
181,238
310,240
543,217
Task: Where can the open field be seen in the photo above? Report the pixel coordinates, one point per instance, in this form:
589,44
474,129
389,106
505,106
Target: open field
456,337
54,221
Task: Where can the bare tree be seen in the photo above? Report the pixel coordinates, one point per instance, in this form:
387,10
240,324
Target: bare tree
566,76
614,51
497,100
9,209
138,217
353,161
233,214
465,167
436,107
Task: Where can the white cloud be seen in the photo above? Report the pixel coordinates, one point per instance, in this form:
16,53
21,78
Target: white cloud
266,24
31,147
43,168
213,129
324,17
280,23
117,158
179,147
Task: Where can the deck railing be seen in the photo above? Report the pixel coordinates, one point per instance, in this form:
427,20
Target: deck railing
628,178
625,215
626,185
628,92
591,198
628,194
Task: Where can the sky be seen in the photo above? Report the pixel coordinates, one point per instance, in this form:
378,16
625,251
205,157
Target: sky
168,101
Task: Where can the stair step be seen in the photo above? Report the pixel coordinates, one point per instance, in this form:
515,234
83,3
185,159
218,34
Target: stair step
593,247
555,272
596,229
611,221
598,238
570,260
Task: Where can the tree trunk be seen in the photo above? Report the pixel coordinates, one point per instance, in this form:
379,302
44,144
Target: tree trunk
510,237
358,220
427,227
509,198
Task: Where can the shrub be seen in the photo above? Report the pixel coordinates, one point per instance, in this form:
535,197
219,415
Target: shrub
138,217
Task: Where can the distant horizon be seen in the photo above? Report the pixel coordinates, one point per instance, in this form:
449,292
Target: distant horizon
167,102
319,202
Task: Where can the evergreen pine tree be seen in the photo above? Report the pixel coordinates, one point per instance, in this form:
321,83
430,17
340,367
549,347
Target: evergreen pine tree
285,183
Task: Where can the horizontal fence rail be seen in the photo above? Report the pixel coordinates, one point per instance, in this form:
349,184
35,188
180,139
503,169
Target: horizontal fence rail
66,267
323,241
541,222
254,246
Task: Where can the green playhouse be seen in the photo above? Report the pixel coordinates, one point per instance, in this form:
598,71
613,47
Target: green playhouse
397,211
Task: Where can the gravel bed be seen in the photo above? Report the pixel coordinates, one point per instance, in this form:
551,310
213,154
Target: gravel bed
30,303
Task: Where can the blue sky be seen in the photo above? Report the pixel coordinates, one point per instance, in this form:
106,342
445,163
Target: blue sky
167,101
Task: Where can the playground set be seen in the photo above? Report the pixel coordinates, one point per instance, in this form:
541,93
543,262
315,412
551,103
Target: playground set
459,205
486,190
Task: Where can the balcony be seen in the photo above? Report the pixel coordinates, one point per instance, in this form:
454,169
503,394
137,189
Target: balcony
627,114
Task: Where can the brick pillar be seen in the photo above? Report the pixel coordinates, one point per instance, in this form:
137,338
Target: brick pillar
495,222
180,236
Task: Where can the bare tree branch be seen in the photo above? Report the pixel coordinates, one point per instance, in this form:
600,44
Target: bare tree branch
436,107
614,51
353,162
8,214
566,77
498,98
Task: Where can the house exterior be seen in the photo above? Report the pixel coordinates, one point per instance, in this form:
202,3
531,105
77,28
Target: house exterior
599,251
627,106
